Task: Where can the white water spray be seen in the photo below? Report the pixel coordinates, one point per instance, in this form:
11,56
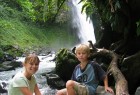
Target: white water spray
84,24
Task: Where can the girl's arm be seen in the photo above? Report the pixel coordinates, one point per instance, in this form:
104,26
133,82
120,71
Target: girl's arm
37,92
25,91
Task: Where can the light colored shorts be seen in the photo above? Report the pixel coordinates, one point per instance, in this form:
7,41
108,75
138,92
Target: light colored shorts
80,89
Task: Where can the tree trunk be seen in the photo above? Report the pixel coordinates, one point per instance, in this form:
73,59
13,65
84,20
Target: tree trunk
120,81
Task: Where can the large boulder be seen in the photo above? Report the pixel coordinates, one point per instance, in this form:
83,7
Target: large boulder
65,63
9,65
54,81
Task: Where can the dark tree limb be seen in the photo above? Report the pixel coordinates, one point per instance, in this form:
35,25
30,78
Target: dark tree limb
92,46
121,85
58,9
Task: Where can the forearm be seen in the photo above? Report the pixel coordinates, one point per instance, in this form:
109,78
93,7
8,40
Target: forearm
106,81
37,91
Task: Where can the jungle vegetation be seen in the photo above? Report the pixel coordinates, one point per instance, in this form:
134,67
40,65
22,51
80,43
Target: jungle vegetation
116,25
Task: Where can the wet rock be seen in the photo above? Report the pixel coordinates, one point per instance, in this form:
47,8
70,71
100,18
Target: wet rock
54,81
16,64
101,91
137,91
9,65
6,68
3,86
8,57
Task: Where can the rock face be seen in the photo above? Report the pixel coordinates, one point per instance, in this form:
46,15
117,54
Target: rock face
101,91
54,81
137,91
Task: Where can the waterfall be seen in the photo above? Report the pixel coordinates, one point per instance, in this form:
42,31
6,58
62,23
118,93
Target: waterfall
84,26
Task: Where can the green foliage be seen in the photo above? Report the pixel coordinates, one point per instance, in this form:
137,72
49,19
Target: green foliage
6,12
50,9
29,35
88,7
55,10
38,6
138,28
27,8
11,50
1,53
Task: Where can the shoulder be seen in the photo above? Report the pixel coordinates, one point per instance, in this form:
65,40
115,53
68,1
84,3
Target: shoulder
77,66
18,78
18,75
93,63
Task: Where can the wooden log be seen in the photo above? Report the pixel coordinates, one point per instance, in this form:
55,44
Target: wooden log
121,85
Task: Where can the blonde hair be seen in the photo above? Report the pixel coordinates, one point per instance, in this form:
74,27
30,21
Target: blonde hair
31,58
83,47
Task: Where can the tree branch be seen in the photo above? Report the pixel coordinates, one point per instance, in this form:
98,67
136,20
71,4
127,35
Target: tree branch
121,83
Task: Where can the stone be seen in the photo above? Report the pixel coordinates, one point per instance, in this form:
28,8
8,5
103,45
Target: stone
137,91
101,91
3,87
54,81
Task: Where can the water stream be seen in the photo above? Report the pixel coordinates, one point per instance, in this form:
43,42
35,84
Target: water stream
46,65
85,33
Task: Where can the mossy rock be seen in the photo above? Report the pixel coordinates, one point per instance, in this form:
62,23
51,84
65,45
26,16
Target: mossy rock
10,50
1,55
65,63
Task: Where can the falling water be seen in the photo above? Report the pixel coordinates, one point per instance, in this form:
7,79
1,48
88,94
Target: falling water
82,23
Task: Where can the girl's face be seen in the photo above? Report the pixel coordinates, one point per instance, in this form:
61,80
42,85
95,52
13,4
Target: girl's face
82,55
31,67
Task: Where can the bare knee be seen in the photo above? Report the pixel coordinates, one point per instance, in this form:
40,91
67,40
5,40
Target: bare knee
70,83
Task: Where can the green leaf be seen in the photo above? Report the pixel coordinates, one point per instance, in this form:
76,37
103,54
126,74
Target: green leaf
138,30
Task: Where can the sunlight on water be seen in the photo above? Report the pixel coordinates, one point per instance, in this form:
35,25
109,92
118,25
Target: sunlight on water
84,24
